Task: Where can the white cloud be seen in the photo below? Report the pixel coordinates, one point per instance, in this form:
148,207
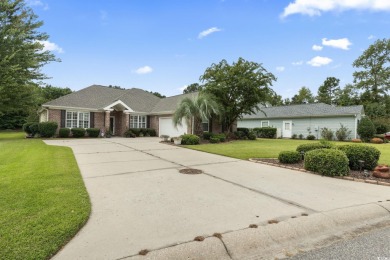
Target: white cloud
143,70
343,43
297,63
208,32
316,7
51,46
38,3
183,88
371,37
319,61
317,47
280,68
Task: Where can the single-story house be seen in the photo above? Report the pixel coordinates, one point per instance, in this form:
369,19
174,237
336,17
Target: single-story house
117,110
305,119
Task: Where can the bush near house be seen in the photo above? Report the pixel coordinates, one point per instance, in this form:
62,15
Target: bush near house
207,135
78,132
330,162
129,134
314,146
310,137
327,134
64,132
342,133
93,132
214,140
47,129
366,129
289,157
265,132
31,128
369,154
189,139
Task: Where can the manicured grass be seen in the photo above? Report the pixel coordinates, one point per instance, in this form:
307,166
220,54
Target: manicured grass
270,148
43,199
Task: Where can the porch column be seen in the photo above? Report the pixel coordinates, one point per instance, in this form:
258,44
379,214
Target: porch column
126,121
107,121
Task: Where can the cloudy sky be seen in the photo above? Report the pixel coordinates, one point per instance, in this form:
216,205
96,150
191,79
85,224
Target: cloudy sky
165,45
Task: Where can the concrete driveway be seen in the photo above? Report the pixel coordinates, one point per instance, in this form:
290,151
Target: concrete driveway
141,201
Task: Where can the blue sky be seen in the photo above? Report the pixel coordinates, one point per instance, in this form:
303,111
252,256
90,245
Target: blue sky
165,45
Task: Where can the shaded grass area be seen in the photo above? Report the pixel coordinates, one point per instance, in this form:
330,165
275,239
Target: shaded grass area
270,148
43,198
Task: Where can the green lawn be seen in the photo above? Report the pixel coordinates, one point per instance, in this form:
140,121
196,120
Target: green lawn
43,200
270,148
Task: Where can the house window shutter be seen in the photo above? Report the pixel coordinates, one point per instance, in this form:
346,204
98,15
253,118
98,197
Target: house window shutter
63,117
211,125
148,122
92,120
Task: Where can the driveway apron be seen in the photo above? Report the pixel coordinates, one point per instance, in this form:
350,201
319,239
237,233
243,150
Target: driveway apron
141,201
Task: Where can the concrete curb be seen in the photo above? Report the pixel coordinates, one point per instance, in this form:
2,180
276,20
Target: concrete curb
348,178
283,239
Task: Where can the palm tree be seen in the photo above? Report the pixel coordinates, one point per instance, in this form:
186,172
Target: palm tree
200,108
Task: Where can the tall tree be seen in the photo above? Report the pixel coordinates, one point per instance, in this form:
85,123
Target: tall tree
194,87
21,56
304,96
50,92
328,90
374,76
239,87
200,108
347,96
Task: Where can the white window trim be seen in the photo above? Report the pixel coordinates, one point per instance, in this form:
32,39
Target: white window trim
208,125
139,121
78,117
261,123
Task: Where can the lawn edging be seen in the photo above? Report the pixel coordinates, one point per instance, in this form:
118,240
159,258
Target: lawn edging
348,178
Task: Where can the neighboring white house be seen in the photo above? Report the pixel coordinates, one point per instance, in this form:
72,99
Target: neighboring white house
305,119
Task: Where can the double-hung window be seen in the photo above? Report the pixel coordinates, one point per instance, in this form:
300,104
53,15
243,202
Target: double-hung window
75,119
137,121
264,123
205,126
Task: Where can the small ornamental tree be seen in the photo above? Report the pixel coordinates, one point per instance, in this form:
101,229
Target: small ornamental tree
366,129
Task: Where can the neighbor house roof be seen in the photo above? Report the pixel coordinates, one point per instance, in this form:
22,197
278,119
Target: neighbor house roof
97,97
305,110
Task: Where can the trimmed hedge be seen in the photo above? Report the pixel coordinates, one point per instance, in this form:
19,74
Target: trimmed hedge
143,131
289,157
252,135
370,155
366,129
329,162
244,130
189,139
31,128
93,132
129,134
78,132
47,129
314,146
310,137
214,140
207,135
64,132
221,137
265,132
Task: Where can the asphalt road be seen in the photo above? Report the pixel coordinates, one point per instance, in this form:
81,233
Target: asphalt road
372,245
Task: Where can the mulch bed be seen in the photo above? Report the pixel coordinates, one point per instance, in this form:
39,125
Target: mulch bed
353,174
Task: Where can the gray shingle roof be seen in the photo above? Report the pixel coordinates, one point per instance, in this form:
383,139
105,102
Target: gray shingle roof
168,105
304,110
98,97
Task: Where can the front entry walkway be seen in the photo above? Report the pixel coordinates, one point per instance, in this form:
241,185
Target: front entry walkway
141,201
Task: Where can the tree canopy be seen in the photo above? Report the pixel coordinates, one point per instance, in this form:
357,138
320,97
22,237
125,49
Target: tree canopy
239,87
21,55
328,90
194,87
304,96
374,76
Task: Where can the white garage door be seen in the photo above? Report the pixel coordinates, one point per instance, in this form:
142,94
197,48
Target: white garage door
166,127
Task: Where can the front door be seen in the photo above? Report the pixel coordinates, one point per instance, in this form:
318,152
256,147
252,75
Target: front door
112,125
287,129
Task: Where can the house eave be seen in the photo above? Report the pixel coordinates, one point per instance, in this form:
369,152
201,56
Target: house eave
308,116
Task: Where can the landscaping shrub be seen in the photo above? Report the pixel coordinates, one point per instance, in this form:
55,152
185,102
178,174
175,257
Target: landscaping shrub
266,132
314,146
356,140
342,133
329,162
300,136
294,136
382,125
366,129
221,137
151,132
240,135
93,132
244,130
189,139
310,137
370,155
129,133
214,140
252,135
64,132
207,135
327,133
136,131
47,129
376,140
78,132
289,157
34,128
26,128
